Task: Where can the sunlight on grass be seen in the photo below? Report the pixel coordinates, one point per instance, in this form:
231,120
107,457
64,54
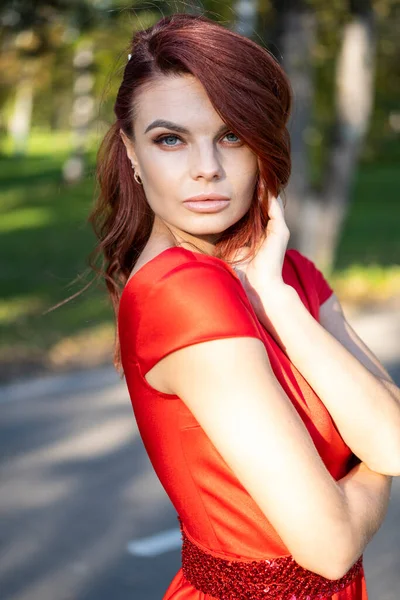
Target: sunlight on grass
362,284
15,308
45,243
43,142
88,347
25,218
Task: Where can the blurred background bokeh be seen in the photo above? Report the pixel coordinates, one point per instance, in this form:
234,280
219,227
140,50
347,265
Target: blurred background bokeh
61,63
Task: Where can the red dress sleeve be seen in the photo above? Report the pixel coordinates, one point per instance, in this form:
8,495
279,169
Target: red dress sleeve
190,303
313,276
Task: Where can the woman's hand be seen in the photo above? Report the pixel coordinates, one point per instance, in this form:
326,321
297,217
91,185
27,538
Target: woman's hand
261,277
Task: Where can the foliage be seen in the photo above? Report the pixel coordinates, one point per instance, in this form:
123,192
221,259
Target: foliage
45,240
383,136
49,31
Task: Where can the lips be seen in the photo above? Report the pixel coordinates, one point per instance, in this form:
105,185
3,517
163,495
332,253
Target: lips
206,197
206,206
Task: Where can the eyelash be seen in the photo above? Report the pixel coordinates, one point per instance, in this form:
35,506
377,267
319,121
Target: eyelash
160,139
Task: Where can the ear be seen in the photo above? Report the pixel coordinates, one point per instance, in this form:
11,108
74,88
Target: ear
130,149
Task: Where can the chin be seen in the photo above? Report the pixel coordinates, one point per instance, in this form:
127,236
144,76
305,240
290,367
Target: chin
215,224
202,231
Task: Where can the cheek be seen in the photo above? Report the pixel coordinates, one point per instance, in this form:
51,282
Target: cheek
244,169
163,170
162,188
245,181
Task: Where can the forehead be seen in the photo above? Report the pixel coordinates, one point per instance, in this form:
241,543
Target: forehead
178,98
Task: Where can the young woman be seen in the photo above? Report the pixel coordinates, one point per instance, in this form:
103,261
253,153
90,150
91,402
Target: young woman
272,427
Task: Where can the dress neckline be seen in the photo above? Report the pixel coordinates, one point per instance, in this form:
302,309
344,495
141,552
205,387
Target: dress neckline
142,269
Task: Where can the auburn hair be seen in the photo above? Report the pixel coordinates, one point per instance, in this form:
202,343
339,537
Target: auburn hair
251,93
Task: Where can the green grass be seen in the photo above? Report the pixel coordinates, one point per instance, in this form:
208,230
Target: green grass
371,232
44,244
367,265
45,241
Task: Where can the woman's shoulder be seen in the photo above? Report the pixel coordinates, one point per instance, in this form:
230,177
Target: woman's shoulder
179,298
154,267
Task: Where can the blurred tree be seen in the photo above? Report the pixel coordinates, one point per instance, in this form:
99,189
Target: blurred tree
246,12
315,215
82,110
20,122
295,35
384,134
31,30
355,75
326,48
106,18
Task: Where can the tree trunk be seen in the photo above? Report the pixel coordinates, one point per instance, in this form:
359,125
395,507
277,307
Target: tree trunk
82,112
297,39
354,99
20,123
246,12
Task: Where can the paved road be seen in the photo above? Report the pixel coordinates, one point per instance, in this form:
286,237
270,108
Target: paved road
77,486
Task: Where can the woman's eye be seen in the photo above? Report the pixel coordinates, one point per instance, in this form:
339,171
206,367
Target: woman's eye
161,139
231,133
165,140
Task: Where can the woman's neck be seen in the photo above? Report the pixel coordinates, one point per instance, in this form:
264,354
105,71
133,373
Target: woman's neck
166,234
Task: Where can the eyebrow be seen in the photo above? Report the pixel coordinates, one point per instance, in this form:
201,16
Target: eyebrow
176,127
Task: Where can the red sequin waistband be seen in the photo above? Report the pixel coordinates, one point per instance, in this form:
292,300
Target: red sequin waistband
279,578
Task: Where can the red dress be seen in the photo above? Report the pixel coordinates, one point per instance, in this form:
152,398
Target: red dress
177,299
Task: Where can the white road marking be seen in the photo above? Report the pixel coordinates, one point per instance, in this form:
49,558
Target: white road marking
156,544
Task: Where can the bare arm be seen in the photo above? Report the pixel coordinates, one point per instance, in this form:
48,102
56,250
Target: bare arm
254,426
365,408
332,318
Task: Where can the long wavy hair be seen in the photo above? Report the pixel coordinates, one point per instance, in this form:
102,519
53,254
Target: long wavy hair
251,93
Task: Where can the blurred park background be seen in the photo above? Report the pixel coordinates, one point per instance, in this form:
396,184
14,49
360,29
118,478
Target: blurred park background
78,492
61,63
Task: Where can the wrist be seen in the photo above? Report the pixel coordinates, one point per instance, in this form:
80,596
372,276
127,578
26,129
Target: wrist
278,296
273,304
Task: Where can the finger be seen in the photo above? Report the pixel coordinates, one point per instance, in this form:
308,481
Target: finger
280,202
278,232
275,210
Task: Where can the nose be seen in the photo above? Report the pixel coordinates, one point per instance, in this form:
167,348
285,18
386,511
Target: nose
205,163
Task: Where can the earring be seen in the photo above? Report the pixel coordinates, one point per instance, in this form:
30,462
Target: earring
137,177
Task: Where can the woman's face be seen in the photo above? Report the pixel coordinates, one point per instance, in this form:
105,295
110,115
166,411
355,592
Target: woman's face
194,153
